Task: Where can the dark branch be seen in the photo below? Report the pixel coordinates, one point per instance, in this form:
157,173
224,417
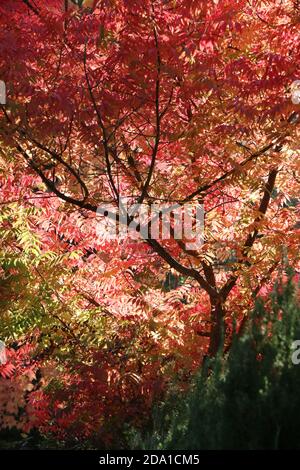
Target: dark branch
158,121
31,7
251,238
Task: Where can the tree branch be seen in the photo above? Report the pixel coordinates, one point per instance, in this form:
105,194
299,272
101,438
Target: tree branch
207,186
158,121
102,127
31,7
250,240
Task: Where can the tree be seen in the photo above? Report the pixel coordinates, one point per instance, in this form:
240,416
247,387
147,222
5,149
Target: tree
170,101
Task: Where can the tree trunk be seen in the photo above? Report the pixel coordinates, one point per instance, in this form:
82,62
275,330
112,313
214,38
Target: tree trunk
216,333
